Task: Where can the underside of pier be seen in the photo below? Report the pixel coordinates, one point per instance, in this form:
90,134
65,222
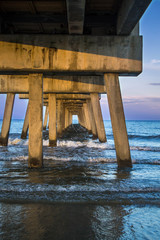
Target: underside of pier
62,55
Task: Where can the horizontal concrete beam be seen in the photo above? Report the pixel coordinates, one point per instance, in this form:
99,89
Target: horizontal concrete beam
129,15
75,14
60,96
74,54
68,84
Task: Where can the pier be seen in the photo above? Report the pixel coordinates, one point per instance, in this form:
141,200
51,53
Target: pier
63,55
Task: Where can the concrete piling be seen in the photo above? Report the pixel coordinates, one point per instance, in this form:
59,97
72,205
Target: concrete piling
92,120
25,124
118,120
52,120
98,117
7,119
87,118
35,120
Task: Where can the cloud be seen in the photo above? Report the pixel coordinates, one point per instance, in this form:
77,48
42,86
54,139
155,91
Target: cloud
154,84
154,64
139,100
155,61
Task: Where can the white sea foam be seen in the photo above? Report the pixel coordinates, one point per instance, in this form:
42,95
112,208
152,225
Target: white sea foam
65,143
14,141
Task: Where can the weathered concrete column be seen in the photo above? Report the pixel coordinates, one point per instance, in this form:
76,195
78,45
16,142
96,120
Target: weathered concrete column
45,118
7,119
87,118
63,117
59,114
118,120
80,120
52,120
98,117
83,118
25,124
92,120
35,120
70,118
66,117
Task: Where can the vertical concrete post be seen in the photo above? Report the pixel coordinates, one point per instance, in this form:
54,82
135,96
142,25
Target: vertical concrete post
118,120
70,118
83,118
35,120
66,117
7,119
45,118
25,124
98,117
52,120
63,117
87,118
91,117
59,114
80,118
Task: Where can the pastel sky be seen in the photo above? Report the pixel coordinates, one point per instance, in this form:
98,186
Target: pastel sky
141,95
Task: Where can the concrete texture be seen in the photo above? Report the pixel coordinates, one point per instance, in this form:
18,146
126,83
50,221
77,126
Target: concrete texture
25,124
35,121
98,117
82,54
52,120
118,120
55,84
92,120
7,119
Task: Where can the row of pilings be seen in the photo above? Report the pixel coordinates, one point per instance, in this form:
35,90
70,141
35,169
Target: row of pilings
60,108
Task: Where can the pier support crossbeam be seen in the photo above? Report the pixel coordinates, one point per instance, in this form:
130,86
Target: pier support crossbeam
118,120
35,120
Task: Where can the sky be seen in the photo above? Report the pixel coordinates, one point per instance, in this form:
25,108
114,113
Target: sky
141,95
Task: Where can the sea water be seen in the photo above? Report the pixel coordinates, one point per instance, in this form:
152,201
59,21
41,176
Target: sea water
80,193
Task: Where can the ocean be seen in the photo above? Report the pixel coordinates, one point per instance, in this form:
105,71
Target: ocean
80,193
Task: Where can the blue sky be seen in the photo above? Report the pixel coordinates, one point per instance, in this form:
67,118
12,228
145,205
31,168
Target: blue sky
141,95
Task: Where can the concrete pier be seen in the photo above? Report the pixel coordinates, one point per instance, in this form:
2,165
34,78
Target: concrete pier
98,117
35,120
7,119
25,124
59,118
72,55
92,120
118,120
45,118
52,120
66,118
87,118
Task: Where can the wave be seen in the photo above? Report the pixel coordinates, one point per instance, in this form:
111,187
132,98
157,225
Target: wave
85,144
148,149
65,143
155,137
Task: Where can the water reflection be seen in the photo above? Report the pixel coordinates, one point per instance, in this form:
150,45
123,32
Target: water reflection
61,221
78,221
